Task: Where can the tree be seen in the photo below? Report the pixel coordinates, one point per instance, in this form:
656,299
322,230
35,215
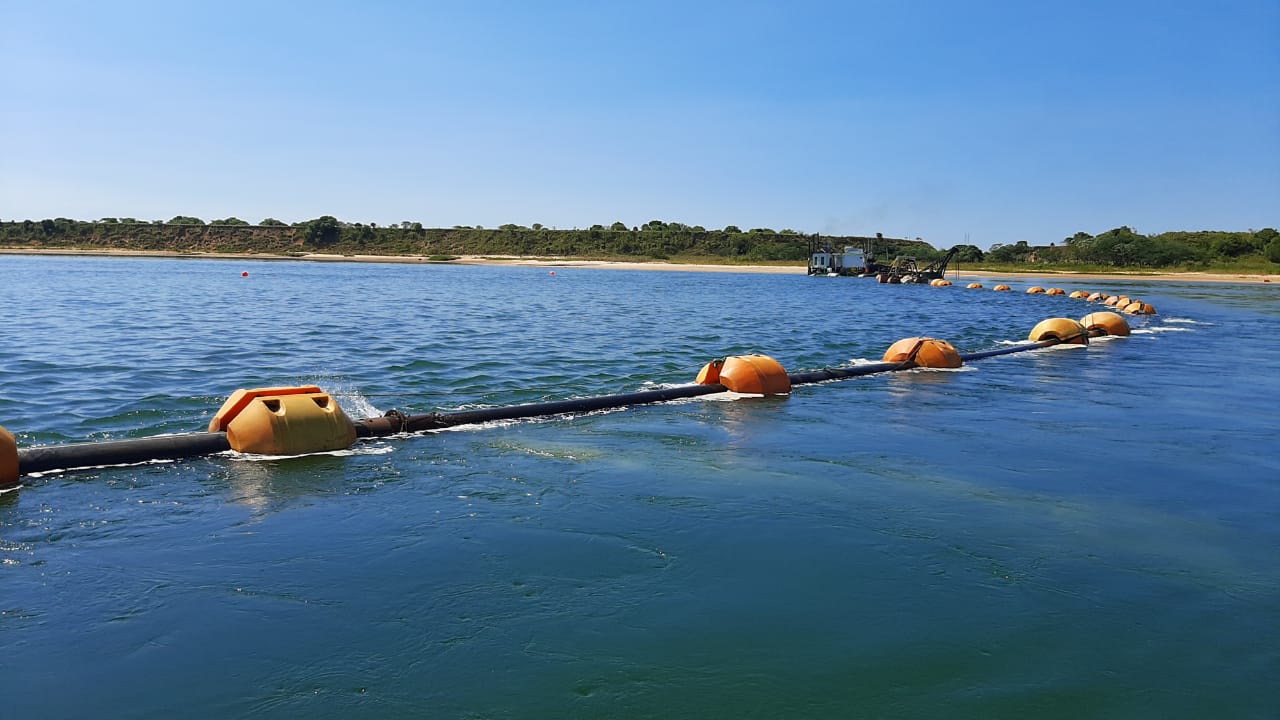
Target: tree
324,230
271,222
228,221
1273,251
185,220
732,229
618,227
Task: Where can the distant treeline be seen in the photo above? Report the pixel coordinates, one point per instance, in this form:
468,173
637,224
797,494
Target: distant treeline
1122,247
655,239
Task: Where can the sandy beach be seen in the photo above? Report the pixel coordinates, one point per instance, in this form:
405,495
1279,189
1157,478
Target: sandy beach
555,262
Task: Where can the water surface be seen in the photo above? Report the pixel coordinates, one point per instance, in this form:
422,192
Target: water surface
1086,532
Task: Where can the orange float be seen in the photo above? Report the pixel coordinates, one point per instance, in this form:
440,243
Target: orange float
974,286
1002,288
8,460
1138,307
1034,290
1105,323
754,375
1064,330
924,352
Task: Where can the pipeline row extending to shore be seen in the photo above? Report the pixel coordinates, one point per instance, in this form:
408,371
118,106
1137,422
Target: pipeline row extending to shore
286,421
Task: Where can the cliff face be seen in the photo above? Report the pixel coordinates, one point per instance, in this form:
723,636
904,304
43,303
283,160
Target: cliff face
146,236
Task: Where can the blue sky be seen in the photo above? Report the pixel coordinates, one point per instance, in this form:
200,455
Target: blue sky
996,121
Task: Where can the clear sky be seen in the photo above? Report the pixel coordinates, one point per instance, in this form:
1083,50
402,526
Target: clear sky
946,119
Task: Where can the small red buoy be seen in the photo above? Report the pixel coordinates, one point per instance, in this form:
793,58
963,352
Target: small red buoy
553,272
244,274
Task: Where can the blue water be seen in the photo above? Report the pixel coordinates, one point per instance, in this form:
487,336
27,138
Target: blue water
1068,533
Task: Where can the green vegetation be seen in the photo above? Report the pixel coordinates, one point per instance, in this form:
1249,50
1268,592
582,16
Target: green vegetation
656,240
1120,248
1249,251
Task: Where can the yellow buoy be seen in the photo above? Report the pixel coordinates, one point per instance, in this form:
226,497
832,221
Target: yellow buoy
924,352
1055,291
8,460
974,286
754,375
1105,323
1063,330
1034,289
941,282
1002,288
1078,295
283,421
1096,297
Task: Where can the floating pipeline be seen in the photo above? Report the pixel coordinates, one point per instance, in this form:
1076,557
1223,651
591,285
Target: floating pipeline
305,419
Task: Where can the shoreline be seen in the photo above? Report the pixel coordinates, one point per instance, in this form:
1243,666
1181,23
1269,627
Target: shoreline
657,266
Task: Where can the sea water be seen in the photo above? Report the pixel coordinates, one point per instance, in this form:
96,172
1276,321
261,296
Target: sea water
1066,533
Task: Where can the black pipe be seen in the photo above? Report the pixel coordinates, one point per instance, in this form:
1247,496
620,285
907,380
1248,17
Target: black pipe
395,422
1009,350
814,376
120,452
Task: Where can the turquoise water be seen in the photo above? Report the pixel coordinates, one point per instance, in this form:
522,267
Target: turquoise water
1089,532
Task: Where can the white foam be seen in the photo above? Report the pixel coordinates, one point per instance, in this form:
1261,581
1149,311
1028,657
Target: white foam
348,452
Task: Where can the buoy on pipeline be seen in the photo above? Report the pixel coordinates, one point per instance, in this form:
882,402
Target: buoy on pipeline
1137,307
1002,288
1064,330
1035,290
1055,291
748,374
1105,323
940,282
974,286
710,373
1078,295
283,421
924,352
8,460
1096,297
1117,301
